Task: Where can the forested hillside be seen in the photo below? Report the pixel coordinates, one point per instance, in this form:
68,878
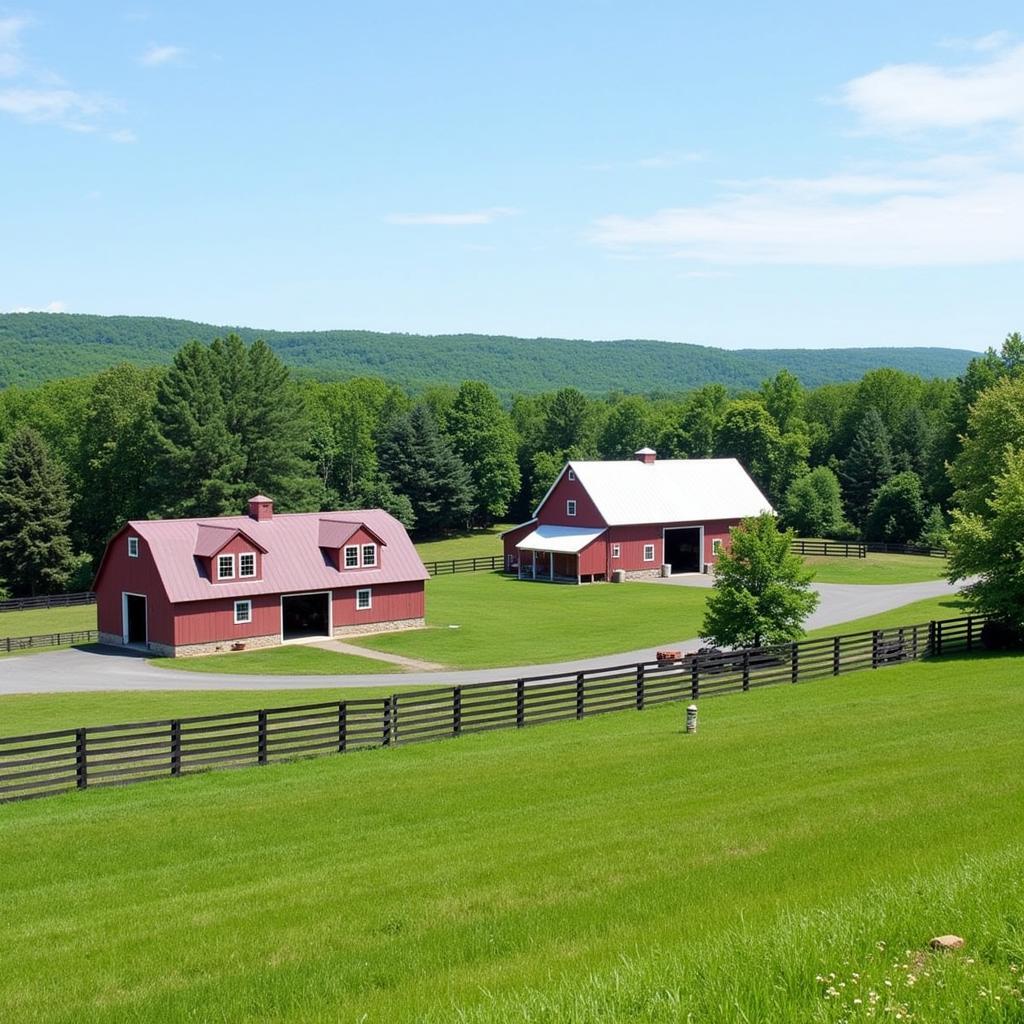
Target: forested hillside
40,346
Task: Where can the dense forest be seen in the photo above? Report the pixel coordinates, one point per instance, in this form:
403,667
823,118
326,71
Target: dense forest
35,347
886,456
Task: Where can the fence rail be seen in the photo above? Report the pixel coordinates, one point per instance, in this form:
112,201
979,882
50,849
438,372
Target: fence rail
24,643
445,567
879,547
20,604
837,548
45,763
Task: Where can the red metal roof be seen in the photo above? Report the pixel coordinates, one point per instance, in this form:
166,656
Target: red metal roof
334,533
210,538
294,560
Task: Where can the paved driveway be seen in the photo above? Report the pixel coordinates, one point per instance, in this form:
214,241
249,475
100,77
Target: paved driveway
107,668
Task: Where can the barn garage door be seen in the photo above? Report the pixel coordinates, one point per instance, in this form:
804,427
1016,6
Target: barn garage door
682,549
305,615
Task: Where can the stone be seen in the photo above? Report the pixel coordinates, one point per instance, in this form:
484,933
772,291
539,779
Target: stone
944,942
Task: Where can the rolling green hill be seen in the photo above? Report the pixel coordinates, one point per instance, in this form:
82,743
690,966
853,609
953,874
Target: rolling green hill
38,346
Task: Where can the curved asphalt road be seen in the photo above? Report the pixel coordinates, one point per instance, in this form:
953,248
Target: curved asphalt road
107,668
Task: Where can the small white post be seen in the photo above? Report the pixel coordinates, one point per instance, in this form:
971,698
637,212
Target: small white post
535,563
691,718
551,566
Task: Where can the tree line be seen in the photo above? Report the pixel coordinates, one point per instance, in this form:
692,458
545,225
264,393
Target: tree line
888,457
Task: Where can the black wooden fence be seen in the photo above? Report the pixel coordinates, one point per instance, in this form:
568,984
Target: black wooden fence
50,762
488,563
880,547
25,643
836,548
20,604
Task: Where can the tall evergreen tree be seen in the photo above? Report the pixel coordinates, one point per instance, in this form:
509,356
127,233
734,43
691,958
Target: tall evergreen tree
35,514
569,423
421,464
483,436
867,467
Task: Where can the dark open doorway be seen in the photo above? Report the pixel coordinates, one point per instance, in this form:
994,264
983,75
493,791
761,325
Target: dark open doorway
135,619
304,615
682,549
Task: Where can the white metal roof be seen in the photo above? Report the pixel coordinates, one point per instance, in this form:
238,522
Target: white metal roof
566,540
669,490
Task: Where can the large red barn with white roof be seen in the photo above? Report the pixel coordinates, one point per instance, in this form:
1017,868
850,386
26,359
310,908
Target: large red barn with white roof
635,515
197,586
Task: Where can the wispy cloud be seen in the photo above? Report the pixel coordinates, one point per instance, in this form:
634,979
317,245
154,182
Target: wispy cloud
990,41
50,307
156,56
951,193
10,46
63,105
464,219
655,162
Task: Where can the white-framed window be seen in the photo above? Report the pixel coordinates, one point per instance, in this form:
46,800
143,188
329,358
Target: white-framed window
364,599
352,556
225,567
243,612
133,547
247,564
369,555
716,547
570,507
616,550
648,552
571,475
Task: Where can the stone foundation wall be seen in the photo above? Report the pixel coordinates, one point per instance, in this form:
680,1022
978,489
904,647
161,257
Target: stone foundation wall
378,627
252,643
112,639
643,574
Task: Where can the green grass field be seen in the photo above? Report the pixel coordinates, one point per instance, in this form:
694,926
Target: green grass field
475,544
47,620
294,660
876,568
609,870
503,621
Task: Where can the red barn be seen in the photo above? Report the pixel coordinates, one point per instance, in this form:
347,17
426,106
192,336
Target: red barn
635,515
196,586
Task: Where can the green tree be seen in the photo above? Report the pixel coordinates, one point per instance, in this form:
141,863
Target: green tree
867,467
898,511
569,421
35,514
627,429
935,532
783,397
813,505
421,464
748,433
995,423
695,431
484,438
762,591
990,545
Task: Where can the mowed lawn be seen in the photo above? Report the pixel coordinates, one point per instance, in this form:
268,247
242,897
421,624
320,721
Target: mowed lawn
876,568
295,659
48,620
480,620
609,870
913,614
473,544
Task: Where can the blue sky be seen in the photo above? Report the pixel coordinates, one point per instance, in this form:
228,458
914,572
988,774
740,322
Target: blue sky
814,175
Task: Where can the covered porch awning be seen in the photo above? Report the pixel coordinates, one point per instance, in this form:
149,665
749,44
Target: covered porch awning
557,544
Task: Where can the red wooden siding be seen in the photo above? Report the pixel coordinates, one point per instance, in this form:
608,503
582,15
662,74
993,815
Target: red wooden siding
236,546
207,622
511,539
594,557
632,539
390,602
121,574
358,539
552,512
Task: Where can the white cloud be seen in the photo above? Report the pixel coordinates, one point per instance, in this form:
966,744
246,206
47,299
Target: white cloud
51,307
915,97
11,63
990,41
62,105
488,216
123,136
156,56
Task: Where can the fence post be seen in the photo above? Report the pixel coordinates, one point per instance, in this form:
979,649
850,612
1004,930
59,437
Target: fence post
342,726
261,737
794,655
640,687
394,719
176,747
746,670
520,703
581,695
938,637
874,647
386,734
81,760
836,658
694,678
930,650
456,710
970,632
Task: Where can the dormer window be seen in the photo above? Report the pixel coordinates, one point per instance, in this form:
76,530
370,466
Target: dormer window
133,547
247,565
225,567
352,556
369,556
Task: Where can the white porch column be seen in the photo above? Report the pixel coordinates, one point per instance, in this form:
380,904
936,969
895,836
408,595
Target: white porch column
534,563
551,566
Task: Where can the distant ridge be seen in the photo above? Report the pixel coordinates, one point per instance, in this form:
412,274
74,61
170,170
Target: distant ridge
41,346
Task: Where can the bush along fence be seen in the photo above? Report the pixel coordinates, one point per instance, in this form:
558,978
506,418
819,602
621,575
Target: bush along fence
489,563
108,755
25,643
20,604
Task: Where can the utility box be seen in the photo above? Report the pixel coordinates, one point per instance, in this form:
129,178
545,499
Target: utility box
666,570
618,575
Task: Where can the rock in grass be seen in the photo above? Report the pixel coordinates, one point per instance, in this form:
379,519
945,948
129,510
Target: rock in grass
944,942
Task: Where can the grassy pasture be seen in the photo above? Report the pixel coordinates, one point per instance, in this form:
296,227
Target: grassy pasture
472,544
876,568
48,620
504,621
292,660
612,869
906,615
